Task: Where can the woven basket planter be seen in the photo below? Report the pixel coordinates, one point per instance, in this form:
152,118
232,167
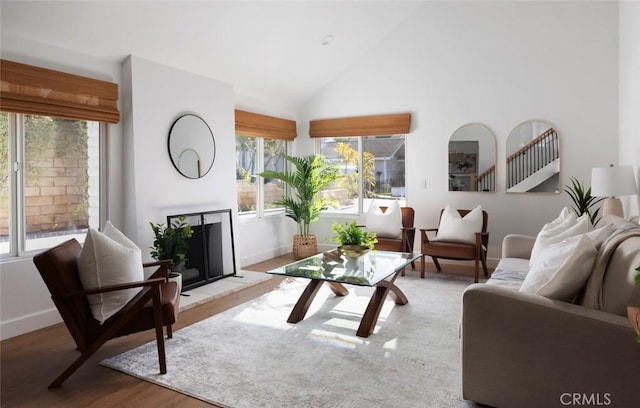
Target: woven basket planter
304,247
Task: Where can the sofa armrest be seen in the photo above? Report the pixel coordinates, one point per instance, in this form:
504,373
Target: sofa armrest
517,246
523,350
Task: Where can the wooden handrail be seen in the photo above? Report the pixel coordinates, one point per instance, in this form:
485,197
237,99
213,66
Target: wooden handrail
480,179
521,164
529,145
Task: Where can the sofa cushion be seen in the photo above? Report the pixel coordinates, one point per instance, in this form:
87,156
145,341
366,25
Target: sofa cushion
510,273
561,269
507,278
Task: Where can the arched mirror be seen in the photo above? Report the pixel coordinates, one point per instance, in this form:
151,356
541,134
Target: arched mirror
472,159
533,158
192,147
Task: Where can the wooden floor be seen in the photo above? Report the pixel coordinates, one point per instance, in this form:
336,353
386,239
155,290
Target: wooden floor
28,363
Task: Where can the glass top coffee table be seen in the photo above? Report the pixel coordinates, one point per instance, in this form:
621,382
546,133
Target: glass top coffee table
377,269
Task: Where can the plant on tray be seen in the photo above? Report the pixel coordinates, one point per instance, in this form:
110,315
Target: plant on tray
353,240
583,200
310,174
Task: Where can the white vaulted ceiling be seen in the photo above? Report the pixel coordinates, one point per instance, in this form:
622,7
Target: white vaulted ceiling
268,50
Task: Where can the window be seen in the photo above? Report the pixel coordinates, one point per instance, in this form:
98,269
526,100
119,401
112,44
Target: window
50,180
373,168
253,156
260,142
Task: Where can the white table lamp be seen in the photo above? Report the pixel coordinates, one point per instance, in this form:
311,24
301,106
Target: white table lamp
610,182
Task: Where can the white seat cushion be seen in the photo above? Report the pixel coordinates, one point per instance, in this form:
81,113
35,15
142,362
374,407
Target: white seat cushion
386,224
109,258
454,228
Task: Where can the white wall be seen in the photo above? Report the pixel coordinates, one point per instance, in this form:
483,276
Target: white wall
158,96
154,189
25,302
497,64
629,115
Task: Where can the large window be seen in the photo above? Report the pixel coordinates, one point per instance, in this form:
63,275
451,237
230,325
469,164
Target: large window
373,169
254,155
50,180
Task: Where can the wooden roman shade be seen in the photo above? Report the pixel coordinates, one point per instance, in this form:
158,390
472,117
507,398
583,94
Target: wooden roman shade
270,127
394,124
40,91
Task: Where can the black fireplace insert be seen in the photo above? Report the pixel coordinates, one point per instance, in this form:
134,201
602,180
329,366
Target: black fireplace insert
211,254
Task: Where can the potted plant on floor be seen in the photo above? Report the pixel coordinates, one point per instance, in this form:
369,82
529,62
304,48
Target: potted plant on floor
171,242
309,175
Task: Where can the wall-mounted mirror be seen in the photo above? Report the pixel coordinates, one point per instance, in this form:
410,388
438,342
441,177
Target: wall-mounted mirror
192,147
533,158
472,159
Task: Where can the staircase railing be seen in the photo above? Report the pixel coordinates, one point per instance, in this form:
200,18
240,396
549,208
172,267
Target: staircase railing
486,180
534,156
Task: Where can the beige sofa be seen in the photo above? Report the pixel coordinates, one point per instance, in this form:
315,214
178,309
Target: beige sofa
524,350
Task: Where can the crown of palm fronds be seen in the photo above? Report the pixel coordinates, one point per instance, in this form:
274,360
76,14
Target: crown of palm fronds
583,200
309,175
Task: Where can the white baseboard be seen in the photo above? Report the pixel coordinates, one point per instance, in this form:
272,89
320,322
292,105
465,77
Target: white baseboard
29,323
263,256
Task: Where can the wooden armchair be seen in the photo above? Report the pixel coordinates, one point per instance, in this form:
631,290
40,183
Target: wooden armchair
455,250
156,305
405,242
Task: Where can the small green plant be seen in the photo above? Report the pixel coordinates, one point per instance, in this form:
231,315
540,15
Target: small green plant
171,240
350,234
583,200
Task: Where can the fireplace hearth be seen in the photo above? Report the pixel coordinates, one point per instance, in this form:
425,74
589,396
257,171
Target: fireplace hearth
211,253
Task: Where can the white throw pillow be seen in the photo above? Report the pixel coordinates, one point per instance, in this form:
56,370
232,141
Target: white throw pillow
109,258
557,233
386,224
561,270
564,214
454,228
597,236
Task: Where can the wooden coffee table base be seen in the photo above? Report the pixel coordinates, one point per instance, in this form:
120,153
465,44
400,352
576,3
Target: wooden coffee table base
370,317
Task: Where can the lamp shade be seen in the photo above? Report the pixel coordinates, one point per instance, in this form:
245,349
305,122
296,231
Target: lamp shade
613,181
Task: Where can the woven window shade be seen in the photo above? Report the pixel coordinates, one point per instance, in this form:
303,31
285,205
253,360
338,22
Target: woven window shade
40,91
377,125
270,127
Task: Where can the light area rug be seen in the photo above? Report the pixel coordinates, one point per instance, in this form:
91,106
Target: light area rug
249,356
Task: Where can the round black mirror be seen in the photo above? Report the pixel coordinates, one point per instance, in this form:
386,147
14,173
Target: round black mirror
192,148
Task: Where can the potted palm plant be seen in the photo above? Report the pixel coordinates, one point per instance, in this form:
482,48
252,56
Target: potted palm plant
307,176
171,242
